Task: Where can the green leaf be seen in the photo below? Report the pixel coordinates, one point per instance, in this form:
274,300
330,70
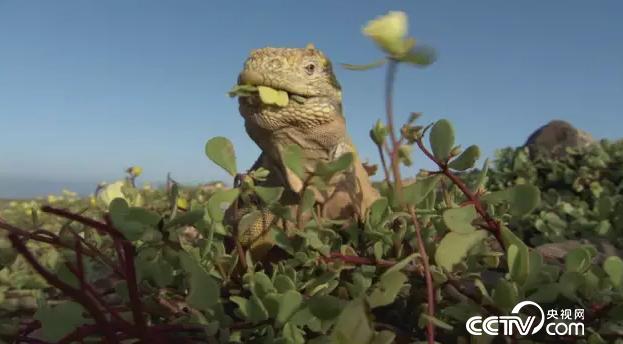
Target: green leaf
387,289
242,90
459,220
293,159
220,201
284,283
293,335
401,264
378,250
454,247
482,176
271,96
523,198
308,200
518,259
420,56
204,291
569,284
252,309
416,192
578,260
325,307
59,320
328,170
220,150
546,293
358,67
604,207
613,266
505,295
271,302
188,218
262,285
442,139
269,195
289,303
354,325
509,238
154,269
134,223
466,160
377,210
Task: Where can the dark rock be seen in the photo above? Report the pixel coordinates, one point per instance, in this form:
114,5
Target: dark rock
557,251
553,138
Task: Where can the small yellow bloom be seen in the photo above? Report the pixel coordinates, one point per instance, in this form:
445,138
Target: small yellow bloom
135,171
389,32
109,192
182,203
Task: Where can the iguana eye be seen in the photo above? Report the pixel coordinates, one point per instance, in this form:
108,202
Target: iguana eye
310,68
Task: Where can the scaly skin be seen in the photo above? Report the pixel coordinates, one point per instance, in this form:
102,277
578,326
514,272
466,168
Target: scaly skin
312,119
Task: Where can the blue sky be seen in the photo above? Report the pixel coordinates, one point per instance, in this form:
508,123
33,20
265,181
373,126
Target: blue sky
88,88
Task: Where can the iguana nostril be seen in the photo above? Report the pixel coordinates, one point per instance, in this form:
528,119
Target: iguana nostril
250,77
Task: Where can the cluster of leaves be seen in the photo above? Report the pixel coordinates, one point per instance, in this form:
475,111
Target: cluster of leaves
161,267
582,192
21,288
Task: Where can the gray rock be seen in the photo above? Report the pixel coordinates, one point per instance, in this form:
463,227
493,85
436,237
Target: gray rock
557,251
553,138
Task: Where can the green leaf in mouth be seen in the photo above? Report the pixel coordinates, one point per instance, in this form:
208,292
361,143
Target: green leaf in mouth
268,95
272,96
242,91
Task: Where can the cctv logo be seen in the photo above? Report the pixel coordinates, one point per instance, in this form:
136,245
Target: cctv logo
507,324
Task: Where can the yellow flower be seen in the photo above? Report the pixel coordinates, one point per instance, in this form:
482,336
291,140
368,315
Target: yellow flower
109,192
135,171
182,203
389,32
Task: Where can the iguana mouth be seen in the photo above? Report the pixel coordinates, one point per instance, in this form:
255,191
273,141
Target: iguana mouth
254,99
252,78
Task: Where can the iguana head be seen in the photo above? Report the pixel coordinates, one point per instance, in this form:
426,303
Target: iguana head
304,73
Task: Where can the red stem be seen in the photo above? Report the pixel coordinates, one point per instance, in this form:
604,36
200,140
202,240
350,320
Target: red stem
91,290
102,227
430,288
135,301
492,225
76,294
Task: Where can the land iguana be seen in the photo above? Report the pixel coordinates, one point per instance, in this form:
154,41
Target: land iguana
312,118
